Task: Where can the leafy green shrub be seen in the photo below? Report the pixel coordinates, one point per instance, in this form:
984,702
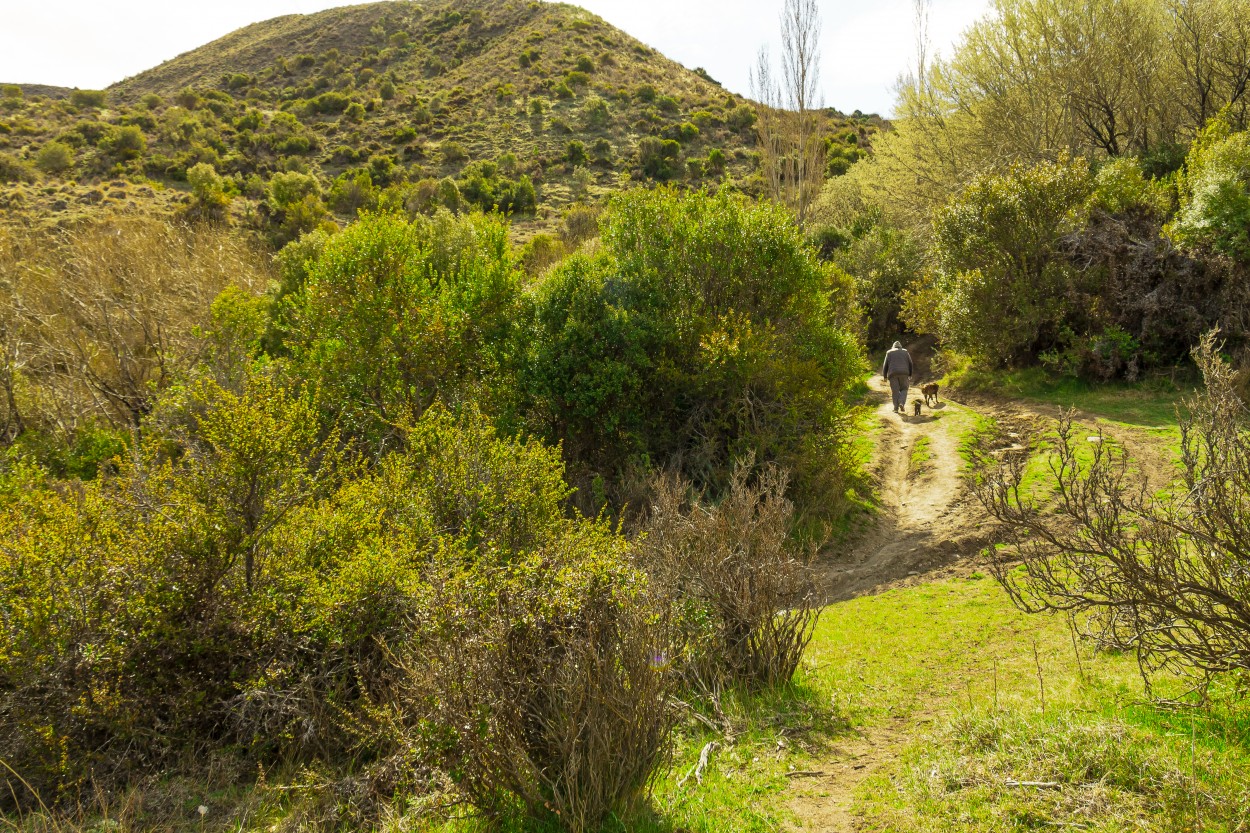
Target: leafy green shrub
716,161
1000,290
124,143
353,192
741,117
481,185
286,189
886,264
684,133
88,98
575,153
585,64
453,153
645,93
1121,187
189,588
152,101
595,112
682,344
13,169
208,190
659,158
602,152
562,90
396,313
1215,194
54,158
386,90
539,665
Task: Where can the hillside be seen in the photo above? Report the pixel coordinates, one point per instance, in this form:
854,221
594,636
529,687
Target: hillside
381,103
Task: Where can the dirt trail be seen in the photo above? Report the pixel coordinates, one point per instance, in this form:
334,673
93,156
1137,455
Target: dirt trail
928,520
927,525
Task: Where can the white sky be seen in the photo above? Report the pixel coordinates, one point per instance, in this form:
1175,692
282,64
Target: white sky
866,45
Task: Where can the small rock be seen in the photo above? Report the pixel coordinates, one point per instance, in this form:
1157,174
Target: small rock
1094,439
913,573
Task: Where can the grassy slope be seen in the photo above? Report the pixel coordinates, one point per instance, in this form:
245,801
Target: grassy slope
459,78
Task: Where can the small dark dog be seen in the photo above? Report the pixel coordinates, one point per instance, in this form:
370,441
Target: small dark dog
915,404
930,394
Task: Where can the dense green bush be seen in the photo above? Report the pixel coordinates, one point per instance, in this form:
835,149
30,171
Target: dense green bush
1215,193
396,313
54,158
659,158
88,98
886,263
13,169
999,290
536,674
704,329
482,185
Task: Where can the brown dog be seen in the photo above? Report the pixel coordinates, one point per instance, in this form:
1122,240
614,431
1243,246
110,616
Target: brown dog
930,394
915,403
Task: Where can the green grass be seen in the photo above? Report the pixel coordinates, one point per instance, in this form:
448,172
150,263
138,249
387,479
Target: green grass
1150,403
920,456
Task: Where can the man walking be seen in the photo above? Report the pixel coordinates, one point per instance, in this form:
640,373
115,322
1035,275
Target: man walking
897,370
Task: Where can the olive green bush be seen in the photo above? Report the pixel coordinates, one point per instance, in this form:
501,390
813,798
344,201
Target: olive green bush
702,330
1215,194
396,313
999,287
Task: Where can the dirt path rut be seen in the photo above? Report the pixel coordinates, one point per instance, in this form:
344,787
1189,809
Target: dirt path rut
928,520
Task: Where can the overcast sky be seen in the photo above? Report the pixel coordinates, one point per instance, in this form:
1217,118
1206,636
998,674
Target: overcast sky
867,43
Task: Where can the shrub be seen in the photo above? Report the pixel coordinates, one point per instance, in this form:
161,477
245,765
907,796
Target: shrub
88,98
668,345
287,189
585,64
1121,187
659,158
54,158
152,101
645,93
741,117
562,90
188,588
353,192
396,313
1215,194
886,263
602,152
1000,289
595,112
746,599
575,153
208,190
716,161
386,90
684,133
125,143
453,153
1155,574
539,661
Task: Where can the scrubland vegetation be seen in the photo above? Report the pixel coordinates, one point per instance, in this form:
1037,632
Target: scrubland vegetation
383,450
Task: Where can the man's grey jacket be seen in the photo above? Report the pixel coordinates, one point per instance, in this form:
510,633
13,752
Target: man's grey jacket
897,363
